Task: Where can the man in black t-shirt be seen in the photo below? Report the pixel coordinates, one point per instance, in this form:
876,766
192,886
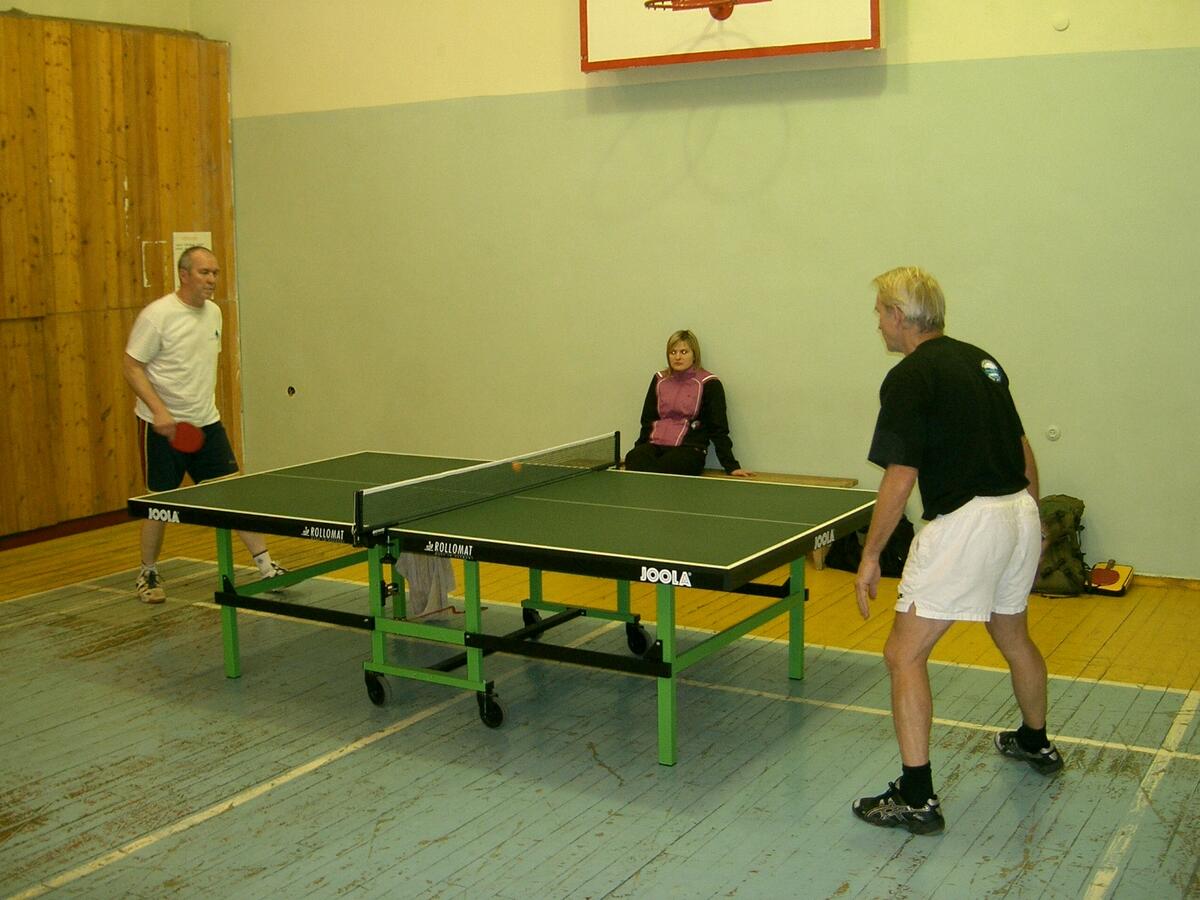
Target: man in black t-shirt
948,423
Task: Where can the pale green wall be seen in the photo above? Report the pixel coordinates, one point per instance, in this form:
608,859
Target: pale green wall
487,275
432,194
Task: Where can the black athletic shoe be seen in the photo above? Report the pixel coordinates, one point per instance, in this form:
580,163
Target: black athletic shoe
889,810
1046,761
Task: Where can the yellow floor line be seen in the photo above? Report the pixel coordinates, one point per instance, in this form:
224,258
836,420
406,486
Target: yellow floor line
1117,850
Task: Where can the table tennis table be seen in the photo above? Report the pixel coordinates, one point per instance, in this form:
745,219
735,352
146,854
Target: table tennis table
567,509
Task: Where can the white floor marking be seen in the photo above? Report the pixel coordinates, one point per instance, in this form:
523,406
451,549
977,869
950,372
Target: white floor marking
253,793
226,805
1115,854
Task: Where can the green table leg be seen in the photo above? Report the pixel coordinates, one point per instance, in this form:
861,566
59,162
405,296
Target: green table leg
623,597
473,619
796,623
535,587
229,625
377,590
666,686
400,598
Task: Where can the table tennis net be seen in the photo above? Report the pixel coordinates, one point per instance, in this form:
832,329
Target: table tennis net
406,501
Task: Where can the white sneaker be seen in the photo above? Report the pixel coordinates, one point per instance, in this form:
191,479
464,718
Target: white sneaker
276,571
150,587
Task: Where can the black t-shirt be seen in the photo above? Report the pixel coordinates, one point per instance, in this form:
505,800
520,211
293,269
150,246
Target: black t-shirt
946,410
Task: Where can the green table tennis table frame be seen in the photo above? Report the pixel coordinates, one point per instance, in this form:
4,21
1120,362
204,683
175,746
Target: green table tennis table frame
663,660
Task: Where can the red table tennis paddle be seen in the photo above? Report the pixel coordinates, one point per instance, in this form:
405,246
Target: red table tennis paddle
188,438
1106,574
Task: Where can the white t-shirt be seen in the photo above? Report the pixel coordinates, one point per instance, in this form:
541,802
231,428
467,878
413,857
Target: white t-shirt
179,345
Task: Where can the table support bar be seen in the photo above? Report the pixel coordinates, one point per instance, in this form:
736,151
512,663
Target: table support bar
295,610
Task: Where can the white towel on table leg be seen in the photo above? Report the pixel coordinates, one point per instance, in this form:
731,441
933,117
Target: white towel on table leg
430,579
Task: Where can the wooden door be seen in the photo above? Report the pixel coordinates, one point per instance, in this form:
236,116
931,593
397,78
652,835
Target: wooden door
112,138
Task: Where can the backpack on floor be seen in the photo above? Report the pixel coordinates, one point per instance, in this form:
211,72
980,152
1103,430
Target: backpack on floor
846,552
1062,571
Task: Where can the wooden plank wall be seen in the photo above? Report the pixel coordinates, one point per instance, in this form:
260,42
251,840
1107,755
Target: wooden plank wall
111,138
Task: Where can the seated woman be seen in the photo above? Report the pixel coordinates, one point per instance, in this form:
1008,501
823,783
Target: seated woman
683,412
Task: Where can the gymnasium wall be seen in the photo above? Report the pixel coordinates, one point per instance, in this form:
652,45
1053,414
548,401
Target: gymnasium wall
450,240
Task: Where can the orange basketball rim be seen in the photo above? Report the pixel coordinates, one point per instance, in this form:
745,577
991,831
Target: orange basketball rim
719,10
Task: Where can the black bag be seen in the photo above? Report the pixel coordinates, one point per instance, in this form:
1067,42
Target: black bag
1062,571
846,552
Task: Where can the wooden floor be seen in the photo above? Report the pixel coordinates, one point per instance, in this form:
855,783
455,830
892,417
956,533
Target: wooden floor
129,766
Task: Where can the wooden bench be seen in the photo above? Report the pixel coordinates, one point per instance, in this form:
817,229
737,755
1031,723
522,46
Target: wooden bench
784,478
816,557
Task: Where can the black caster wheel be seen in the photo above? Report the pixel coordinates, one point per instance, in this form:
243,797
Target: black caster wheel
490,712
378,690
637,637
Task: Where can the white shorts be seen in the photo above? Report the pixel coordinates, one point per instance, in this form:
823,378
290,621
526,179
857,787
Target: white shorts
978,560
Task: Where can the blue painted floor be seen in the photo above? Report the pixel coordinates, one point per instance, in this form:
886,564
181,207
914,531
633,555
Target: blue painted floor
131,767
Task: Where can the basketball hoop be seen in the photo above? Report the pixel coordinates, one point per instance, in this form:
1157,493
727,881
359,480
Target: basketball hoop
718,9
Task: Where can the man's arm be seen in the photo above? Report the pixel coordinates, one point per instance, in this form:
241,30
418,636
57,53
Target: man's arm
1031,470
894,490
135,374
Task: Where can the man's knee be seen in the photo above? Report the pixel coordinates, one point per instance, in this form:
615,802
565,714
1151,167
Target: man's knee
900,654
1009,632
912,640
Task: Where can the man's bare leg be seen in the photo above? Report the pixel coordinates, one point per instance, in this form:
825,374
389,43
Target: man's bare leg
907,655
1025,662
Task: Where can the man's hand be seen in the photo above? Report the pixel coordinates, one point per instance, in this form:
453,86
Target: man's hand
866,584
164,424
894,489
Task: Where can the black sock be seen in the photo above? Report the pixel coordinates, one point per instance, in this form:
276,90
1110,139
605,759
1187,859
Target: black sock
916,784
1032,739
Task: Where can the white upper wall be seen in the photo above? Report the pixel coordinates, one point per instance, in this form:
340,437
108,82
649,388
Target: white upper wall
309,55
153,13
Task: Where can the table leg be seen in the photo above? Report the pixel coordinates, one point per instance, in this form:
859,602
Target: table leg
623,597
796,623
229,625
474,617
667,705
377,594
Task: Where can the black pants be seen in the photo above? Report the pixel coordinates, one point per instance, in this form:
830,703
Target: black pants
665,460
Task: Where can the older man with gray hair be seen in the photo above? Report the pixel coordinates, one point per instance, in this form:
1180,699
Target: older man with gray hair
948,423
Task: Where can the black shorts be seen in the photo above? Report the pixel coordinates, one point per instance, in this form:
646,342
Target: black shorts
164,467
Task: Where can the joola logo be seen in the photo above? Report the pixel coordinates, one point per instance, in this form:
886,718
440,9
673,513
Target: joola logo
164,515
446,548
666,576
322,533
824,539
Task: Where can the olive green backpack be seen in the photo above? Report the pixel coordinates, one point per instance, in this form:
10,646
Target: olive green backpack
1062,572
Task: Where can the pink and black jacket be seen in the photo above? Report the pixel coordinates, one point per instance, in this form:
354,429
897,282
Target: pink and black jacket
687,409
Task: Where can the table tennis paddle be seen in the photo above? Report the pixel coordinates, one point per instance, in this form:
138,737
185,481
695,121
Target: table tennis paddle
188,438
1105,574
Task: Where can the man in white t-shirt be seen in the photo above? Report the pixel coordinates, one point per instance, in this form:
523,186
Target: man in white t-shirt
171,364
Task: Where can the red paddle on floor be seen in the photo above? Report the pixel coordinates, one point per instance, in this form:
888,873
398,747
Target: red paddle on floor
1106,574
188,438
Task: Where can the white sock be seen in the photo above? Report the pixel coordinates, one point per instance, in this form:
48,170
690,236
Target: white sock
263,561
153,567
